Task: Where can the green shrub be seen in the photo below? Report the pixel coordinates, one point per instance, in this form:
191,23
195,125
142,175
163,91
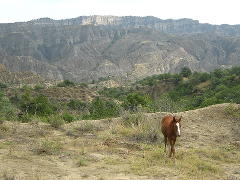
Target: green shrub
24,118
100,108
66,83
185,72
38,87
82,161
68,117
7,109
39,105
77,105
3,86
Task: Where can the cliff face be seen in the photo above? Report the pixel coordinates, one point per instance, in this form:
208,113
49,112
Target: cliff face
168,26
87,48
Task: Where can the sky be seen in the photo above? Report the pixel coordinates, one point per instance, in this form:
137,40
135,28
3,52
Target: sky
206,11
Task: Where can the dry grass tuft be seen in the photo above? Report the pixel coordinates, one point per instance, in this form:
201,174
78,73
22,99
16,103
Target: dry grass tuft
47,147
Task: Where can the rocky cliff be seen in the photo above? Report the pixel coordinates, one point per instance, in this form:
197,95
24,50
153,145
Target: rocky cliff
90,47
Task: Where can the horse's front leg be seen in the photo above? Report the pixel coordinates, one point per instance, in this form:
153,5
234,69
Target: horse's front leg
165,143
173,147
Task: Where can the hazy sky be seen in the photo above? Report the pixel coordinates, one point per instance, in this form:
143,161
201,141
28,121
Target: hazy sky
206,11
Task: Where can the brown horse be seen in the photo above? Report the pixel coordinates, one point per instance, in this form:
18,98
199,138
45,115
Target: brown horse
171,128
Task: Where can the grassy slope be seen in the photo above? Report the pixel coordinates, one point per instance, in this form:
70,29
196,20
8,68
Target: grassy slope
107,149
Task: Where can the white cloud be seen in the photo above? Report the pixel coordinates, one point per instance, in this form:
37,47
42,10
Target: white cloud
207,11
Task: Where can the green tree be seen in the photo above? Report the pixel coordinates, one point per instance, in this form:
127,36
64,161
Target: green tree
133,100
39,105
185,72
100,108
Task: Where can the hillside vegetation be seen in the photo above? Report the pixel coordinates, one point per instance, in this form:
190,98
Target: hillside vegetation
85,131
166,92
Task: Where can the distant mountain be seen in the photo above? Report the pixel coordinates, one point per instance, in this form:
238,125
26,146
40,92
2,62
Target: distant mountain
89,47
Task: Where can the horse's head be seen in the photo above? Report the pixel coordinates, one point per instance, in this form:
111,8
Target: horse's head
177,125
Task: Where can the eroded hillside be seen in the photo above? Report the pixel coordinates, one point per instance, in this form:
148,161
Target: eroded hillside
127,48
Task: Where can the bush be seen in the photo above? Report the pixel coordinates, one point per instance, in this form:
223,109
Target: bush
66,83
3,86
39,105
48,147
139,128
100,108
86,127
130,120
82,161
77,105
233,111
68,117
6,107
55,121
38,87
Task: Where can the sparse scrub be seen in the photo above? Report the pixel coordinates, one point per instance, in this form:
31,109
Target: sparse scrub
86,127
139,128
48,147
130,120
233,111
82,161
56,121
4,128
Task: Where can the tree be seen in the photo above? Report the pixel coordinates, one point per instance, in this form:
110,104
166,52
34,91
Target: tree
133,100
100,108
186,72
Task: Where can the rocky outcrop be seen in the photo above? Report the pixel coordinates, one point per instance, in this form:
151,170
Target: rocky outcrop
87,48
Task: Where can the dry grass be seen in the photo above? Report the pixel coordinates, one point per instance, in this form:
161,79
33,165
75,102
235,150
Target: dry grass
116,149
47,147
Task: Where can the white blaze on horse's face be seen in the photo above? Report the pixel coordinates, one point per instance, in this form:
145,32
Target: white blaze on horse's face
178,129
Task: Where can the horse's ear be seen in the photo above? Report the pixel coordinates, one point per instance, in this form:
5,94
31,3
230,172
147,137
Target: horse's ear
180,118
174,118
